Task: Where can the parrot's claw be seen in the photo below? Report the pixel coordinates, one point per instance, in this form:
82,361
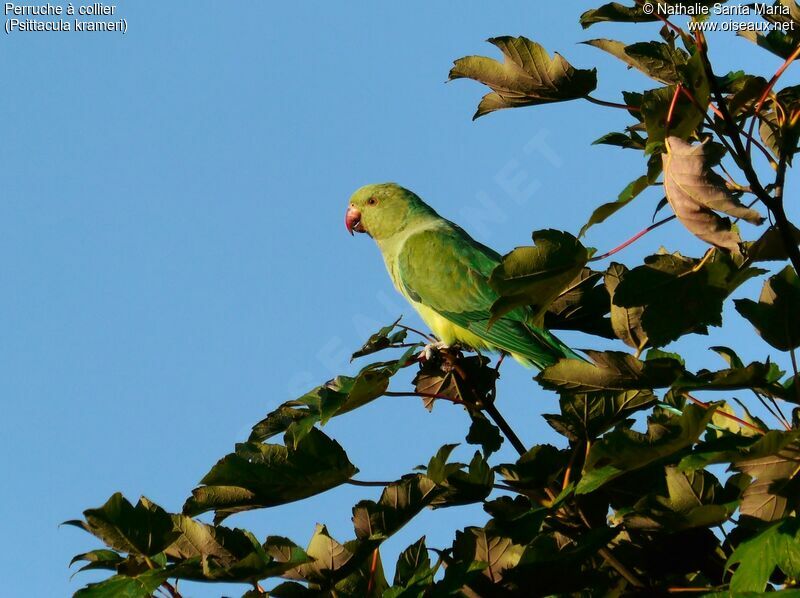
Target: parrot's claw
432,348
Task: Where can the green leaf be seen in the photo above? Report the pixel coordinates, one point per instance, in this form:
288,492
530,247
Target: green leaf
216,553
413,565
657,60
680,295
729,355
692,499
733,448
145,529
776,42
461,487
527,77
686,118
535,276
496,553
623,450
515,518
777,546
587,416
328,557
696,193
583,306
265,475
610,371
770,246
775,489
629,140
616,13
602,212
625,321
775,315
484,433
335,397
122,586
398,504
98,559
386,338
755,375
536,471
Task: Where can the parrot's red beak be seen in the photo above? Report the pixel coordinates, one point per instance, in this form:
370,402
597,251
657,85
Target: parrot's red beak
352,220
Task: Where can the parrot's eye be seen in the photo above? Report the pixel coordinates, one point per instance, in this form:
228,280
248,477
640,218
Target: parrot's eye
372,201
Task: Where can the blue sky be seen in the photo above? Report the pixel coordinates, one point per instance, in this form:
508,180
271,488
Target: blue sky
174,258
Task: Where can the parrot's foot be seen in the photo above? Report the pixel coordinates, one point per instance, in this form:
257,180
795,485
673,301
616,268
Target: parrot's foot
432,348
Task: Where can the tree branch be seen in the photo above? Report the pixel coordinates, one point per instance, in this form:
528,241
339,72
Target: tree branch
740,156
498,419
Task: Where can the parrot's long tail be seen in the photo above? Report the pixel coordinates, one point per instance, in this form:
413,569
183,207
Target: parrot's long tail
544,350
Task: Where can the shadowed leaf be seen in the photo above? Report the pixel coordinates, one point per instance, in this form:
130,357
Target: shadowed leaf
583,306
680,295
775,314
625,321
398,504
610,371
623,450
586,416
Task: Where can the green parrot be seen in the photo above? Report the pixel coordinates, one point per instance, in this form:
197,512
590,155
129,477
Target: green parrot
444,274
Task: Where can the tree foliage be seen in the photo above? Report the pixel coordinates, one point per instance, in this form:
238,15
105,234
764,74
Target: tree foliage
614,510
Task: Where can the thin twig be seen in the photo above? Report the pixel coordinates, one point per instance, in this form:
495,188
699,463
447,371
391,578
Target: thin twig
724,414
767,89
776,413
353,482
740,156
372,484
672,103
615,564
173,590
611,104
634,238
422,334
718,112
423,395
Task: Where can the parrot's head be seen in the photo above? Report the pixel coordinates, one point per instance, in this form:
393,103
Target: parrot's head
382,210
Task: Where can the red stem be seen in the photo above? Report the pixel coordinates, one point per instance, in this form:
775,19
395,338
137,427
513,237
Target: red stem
635,237
765,94
731,417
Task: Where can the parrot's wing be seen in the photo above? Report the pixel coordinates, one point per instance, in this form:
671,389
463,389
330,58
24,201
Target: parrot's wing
448,272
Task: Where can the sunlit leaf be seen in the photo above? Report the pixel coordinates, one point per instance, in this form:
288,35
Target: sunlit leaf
528,76
696,194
